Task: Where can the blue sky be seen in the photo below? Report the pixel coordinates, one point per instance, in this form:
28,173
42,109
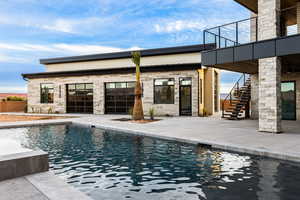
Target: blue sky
34,29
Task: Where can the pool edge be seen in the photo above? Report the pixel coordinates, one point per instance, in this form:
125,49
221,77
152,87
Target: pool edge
22,164
228,146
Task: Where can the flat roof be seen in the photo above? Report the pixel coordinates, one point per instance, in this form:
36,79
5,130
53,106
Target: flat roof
124,70
127,54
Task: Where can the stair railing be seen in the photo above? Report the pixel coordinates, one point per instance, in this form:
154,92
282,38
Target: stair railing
235,92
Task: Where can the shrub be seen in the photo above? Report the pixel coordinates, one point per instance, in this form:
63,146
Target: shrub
151,113
15,98
50,110
130,111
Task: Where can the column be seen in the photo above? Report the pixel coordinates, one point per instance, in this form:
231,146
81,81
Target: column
269,69
254,96
270,95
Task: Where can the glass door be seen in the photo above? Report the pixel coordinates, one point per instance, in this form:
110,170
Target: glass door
185,90
288,97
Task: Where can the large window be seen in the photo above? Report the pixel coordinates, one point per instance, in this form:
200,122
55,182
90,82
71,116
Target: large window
164,91
47,93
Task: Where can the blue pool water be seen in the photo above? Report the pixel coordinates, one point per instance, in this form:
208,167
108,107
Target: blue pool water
110,165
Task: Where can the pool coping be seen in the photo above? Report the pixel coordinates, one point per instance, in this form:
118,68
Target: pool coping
22,164
23,124
222,146
55,188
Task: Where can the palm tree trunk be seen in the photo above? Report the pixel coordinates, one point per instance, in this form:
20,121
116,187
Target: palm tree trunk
138,113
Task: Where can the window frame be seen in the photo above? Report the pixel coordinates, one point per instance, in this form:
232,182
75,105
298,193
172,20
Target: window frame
77,107
41,93
154,86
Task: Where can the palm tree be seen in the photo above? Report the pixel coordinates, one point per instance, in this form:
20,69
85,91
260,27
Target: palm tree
138,113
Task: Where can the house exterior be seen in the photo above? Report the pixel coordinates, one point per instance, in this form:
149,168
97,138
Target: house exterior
271,55
173,81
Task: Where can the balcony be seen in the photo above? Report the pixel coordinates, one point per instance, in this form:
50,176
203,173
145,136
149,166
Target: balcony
238,47
232,34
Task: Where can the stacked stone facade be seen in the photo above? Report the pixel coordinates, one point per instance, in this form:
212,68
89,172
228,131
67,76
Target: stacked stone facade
270,94
254,96
99,81
269,68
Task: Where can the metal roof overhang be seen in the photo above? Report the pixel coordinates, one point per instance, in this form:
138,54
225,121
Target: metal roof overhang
244,58
250,4
124,70
253,4
127,54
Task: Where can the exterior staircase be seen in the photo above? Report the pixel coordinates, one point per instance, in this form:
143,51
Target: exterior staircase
236,105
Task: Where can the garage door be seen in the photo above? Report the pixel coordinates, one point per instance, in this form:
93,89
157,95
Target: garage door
119,97
80,98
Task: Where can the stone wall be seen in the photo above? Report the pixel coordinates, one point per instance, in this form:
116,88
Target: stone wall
270,95
269,68
268,18
59,104
254,92
254,96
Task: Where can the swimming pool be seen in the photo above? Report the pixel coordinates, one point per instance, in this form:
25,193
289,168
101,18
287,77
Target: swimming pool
111,165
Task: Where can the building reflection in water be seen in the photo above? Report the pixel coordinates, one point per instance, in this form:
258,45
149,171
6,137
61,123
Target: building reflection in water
115,165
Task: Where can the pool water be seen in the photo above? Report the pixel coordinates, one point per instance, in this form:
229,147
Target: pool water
111,165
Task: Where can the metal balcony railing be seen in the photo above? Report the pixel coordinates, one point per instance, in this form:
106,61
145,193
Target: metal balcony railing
232,34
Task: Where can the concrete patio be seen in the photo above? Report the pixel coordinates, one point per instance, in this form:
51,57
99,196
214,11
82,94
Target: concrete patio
41,186
241,136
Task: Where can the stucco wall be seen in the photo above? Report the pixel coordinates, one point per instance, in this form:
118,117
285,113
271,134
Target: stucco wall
147,79
209,86
185,58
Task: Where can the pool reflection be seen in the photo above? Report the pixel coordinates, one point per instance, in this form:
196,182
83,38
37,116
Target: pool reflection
110,165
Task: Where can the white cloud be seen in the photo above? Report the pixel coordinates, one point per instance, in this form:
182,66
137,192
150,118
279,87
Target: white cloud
31,53
63,48
226,87
61,26
75,25
177,26
10,59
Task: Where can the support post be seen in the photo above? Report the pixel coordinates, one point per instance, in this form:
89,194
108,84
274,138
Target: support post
269,69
